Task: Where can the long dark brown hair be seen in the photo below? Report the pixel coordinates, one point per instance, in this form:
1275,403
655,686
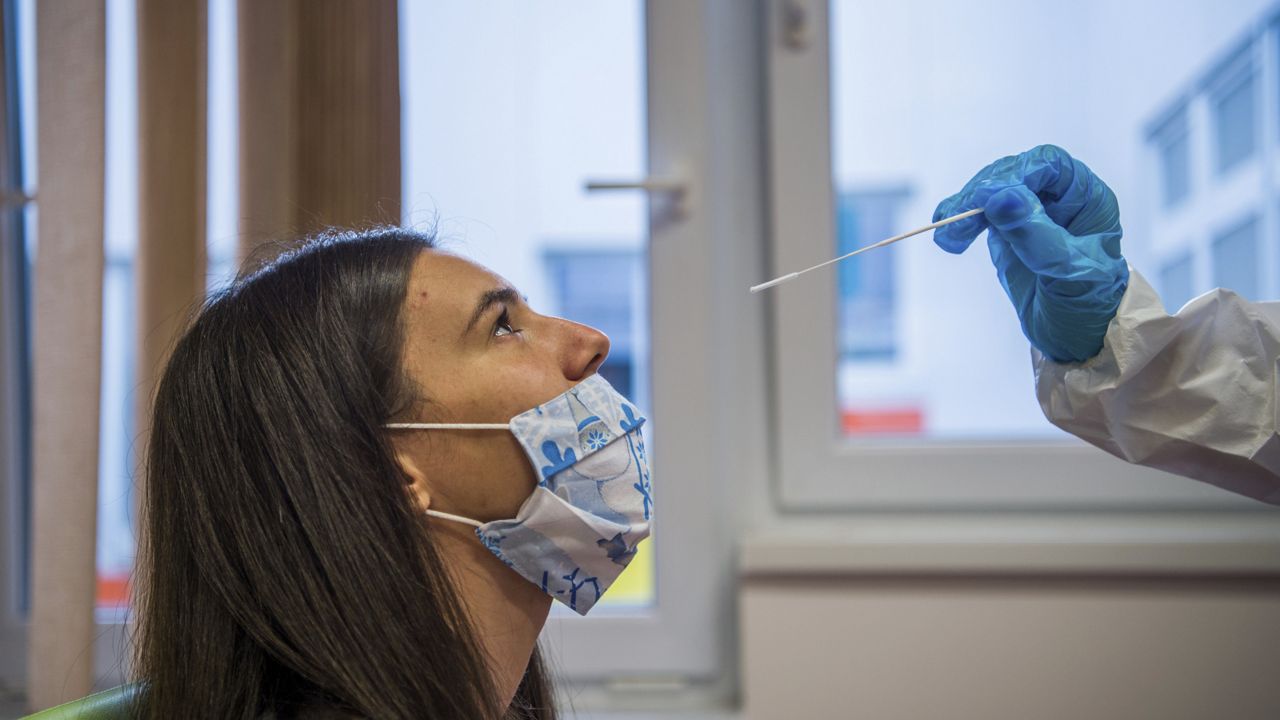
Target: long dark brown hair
283,570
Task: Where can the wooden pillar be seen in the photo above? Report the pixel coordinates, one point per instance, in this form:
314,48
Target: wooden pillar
170,266
67,333
319,116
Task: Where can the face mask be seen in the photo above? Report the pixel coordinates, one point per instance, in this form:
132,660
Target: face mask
593,504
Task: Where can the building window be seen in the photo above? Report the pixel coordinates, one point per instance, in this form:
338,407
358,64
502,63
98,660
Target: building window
600,288
866,282
1235,119
1235,259
1176,286
1173,145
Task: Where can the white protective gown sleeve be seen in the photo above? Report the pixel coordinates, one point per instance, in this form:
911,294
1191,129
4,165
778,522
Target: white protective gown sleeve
1193,393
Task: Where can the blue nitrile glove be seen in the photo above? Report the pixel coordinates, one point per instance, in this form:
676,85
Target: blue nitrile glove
1054,235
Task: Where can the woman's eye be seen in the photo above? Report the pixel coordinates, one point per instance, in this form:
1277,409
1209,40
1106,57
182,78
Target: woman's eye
503,326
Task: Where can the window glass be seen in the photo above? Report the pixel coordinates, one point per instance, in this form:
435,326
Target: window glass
117,424
496,151
929,346
867,284
1235,259
602,287
222,240
1234,119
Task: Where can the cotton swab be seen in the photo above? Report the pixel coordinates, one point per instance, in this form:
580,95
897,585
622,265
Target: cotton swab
882,243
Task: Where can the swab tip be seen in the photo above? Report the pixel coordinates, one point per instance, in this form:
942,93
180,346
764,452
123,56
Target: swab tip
776,281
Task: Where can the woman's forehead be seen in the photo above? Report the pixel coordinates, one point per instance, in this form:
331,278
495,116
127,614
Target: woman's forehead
446,284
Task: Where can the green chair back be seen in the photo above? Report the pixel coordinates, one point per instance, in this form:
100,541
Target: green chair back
113,704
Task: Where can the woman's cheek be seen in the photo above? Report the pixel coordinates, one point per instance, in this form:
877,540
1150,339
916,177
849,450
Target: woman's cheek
528,387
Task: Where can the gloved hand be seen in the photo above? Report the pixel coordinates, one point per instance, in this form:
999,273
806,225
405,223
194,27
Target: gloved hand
1054,235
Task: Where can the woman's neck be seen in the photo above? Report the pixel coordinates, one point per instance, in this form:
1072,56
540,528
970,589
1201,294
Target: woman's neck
508,611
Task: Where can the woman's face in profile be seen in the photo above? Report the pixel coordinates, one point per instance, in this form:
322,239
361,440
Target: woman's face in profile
479,354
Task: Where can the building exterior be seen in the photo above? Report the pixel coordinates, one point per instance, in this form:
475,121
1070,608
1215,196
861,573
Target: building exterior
1212,215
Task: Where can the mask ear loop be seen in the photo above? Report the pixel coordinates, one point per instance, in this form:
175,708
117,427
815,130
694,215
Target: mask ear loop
448,426
455,518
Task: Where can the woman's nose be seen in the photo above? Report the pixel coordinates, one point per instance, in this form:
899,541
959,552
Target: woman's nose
583,350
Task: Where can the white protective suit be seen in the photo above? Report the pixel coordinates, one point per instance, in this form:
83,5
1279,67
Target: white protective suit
1193,393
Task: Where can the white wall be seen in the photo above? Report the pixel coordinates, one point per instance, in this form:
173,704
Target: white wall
1011,648
1160,623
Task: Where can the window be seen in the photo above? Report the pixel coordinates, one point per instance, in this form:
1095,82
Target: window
1235,259
117,425
520,171
115,545
953,420
868,303
867,282
222,149
1216,115
1173,142
15,274
605,289
1235,117
1176,282
497,151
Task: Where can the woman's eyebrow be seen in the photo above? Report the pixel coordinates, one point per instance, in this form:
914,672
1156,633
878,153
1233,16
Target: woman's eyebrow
506,294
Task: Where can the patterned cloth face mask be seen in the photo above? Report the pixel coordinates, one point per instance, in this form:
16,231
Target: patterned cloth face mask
593,504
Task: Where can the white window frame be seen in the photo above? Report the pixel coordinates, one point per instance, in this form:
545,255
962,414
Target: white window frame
1174,127
676,643
13,426
13,480
816,470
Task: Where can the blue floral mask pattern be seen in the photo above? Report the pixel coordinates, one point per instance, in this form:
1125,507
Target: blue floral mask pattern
594,502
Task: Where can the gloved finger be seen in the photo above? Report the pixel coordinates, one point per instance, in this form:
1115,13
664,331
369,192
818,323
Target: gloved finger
1019,283
956,237
1048,171
1045,247
1072,195
1098,212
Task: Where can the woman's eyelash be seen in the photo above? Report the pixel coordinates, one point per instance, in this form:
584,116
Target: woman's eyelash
504,323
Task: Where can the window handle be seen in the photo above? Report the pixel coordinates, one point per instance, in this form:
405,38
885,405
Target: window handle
675,189
14,199
795,25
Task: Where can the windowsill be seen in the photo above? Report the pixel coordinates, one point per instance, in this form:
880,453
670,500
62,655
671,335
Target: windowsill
656,715
1029,544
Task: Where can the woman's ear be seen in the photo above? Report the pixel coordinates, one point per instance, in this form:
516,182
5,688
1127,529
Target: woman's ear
416,479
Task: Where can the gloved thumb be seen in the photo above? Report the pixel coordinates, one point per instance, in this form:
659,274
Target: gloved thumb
1043,246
